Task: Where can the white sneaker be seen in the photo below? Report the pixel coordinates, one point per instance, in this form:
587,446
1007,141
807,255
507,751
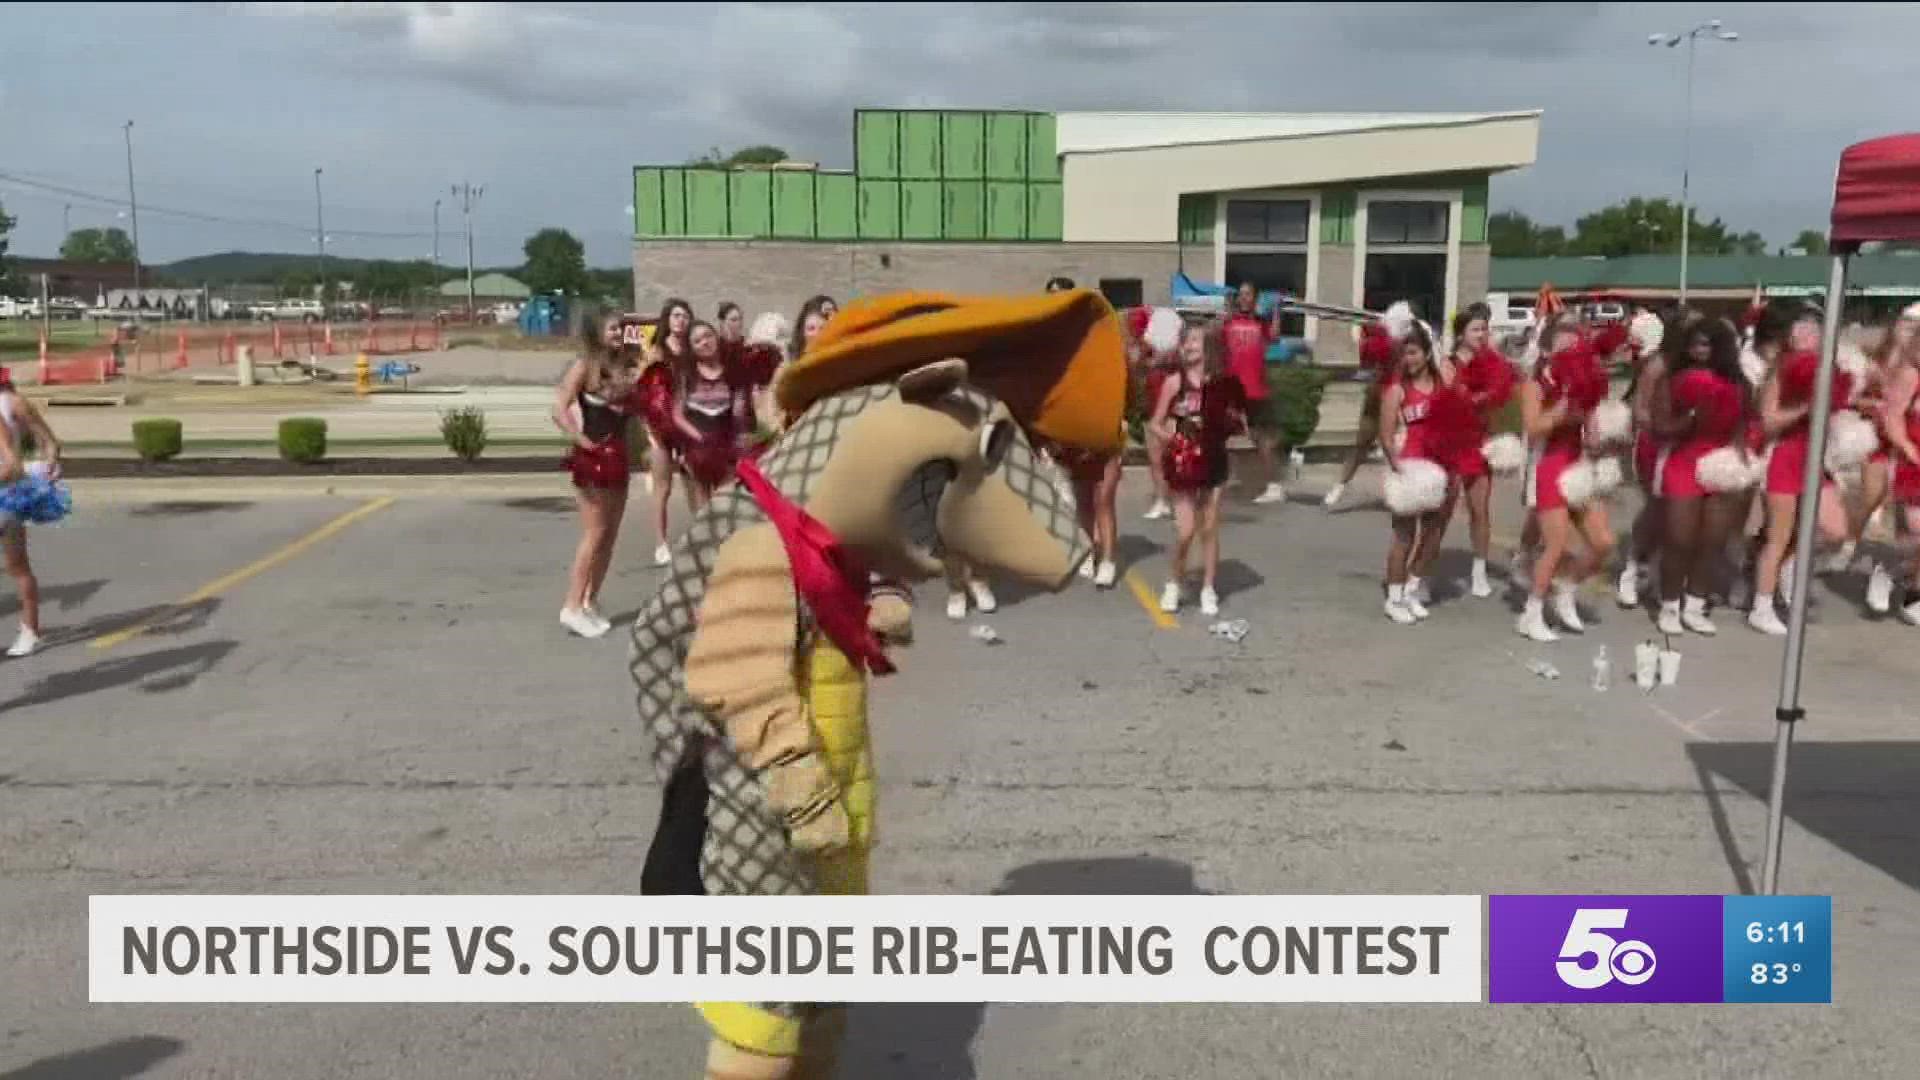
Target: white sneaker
1766,620
1170,597
1879,590
579,622
1693,615
1087,568
1533,626
1627,590
1839,560
1273,494
1397,611
1411,600
1420,592
1910,614
25,643
1479,586
1159,511
1332,498
982,597
1519,573
1566,608
1669,621
1103,577
662,555
592,611
1209,601
956,606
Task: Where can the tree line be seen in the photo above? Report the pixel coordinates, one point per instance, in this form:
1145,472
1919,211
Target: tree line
1637,226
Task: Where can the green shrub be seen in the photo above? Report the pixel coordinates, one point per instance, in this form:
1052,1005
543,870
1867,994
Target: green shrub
1295,391
156,440
465,431
303,439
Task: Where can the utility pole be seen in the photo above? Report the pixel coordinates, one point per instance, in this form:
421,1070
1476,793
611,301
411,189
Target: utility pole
133,209
468,193
1713,30
434,295
320,237
66,223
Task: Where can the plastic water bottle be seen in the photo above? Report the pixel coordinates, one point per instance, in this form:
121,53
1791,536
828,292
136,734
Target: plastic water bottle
1602,670
1296,461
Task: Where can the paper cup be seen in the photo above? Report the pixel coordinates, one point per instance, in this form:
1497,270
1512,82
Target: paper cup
1669,667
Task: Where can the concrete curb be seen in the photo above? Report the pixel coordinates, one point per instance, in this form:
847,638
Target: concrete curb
135,491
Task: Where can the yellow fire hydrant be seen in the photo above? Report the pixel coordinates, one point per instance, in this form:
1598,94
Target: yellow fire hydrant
362,375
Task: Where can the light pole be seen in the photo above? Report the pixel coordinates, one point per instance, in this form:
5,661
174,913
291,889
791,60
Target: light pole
66,222
133,208
1711,29
320,237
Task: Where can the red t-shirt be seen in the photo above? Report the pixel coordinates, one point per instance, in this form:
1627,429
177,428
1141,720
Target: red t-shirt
1246,338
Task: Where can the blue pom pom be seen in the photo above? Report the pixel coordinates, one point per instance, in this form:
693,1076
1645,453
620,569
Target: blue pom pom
36,501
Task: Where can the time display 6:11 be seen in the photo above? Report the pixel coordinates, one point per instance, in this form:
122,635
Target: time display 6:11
1784,933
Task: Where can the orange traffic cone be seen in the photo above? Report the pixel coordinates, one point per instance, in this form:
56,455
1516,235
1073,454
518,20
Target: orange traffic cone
276,341
328,341
43,358
180,357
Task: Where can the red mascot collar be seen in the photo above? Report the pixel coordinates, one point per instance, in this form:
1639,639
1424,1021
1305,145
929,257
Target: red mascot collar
831,579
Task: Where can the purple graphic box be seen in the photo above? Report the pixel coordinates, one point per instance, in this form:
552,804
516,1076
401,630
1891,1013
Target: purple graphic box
1604,948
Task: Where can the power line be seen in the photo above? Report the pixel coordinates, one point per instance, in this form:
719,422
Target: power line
196,215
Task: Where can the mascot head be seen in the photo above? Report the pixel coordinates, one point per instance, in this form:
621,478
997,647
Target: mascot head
941,464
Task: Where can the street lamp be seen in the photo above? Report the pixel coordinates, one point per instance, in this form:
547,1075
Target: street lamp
1712,31
133,207
320,236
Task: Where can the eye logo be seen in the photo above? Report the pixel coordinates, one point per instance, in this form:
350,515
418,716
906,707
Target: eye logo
1590,959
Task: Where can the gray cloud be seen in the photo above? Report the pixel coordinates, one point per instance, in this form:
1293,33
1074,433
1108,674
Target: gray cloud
552,104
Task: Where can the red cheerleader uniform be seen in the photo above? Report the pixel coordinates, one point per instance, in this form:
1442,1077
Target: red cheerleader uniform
607,464
1488,378
1577,375
653,400
1787,461
1416,409
713,407
1906,475
1714,402
1203,417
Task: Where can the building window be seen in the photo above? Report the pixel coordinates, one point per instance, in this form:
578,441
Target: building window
1267,221
1419,278
1285,271
1123,292
1404,223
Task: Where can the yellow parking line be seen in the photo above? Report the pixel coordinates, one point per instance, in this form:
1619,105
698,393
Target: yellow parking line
1150,603
215,588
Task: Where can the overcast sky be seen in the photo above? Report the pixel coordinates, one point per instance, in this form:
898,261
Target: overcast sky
551,105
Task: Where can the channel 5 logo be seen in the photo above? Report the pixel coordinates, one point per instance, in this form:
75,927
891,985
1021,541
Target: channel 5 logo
1604,948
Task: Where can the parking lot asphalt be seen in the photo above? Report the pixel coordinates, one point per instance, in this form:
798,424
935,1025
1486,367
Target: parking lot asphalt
391,707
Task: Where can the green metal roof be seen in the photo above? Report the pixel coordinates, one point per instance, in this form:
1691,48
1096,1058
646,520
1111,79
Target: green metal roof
1578,274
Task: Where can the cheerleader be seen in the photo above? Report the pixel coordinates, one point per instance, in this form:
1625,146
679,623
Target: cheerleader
1648,380
1155,366
1697,409
713,417
963,583
1900,422
814,316
1376,366
666,362
32,495
1567,384
1899,348
591,406
1198,408
1420,491
1785,401
731,322
1487,378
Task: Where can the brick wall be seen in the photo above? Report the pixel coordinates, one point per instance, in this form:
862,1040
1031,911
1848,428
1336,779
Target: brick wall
1476,272
1334,341
772,275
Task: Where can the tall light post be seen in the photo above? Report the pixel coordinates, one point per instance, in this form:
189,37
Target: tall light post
1712,31
133,208
320,237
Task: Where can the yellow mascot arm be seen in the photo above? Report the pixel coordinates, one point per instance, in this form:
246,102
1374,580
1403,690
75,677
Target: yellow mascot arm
741,669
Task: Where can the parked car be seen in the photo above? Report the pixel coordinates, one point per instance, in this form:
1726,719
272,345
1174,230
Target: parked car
292,311
1513,315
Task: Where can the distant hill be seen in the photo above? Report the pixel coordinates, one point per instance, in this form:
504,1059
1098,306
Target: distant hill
251,266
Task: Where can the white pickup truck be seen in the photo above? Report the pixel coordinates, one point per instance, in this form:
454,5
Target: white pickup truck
291,311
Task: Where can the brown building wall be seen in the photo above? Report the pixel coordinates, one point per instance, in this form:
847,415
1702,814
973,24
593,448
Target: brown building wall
772,275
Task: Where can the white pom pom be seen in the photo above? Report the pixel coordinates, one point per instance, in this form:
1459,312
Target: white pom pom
1850,359
1576,483
1399,320
1725,469
1611,424
1504,453
1607,476
770,328
1163,330
1753,366
1418,487
1851,440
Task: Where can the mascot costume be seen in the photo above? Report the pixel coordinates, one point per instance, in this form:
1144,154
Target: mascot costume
905,443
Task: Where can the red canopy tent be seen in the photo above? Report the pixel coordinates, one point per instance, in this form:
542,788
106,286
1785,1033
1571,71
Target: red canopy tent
1876,197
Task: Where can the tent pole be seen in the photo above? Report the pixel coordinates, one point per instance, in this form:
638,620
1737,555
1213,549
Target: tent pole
1787,711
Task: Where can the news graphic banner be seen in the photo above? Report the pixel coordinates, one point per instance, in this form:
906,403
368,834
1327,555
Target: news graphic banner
528,949
1702,949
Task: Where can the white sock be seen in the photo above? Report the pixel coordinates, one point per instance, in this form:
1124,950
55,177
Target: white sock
1536,607
1763,601
1413,586
1630,568
1396,593
1479,568
1669,607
